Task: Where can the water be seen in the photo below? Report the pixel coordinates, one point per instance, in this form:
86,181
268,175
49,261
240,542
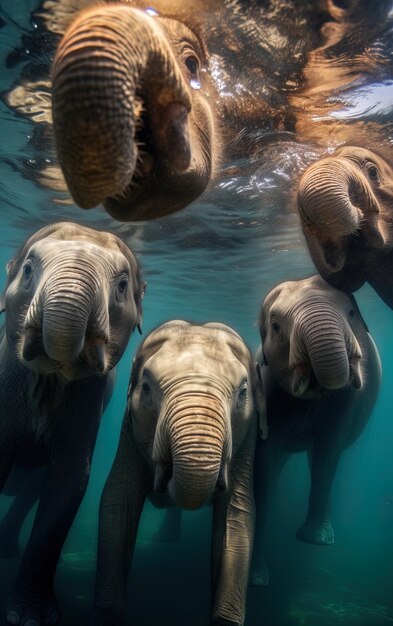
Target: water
215,261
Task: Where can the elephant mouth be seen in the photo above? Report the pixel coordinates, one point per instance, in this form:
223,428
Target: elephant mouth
92,360
149,193
164,474
306,385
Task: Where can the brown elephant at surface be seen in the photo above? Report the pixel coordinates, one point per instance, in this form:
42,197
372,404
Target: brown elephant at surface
148,104
139,121
345,203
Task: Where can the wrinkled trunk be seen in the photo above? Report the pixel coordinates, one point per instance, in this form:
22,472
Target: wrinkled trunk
112,63
194,434
335,200
323,341
68,307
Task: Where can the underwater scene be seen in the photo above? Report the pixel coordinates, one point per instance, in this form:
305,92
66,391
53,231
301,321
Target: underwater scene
248,120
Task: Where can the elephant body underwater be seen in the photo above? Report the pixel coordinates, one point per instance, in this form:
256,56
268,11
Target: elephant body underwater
345,203
72,299
188,438
321,373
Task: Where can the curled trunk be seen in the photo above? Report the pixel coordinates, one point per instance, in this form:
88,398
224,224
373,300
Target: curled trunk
195,435
324,343
112,63
71,306
335,200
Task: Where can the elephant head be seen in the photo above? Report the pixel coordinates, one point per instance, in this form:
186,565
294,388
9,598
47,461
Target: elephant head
72,299
133,112
191,406
342,198
309,332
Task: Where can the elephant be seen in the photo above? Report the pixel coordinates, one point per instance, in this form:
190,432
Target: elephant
72,299
345,203
188,438
141,113
321,373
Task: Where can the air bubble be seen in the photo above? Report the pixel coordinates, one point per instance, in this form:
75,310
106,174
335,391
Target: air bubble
152,12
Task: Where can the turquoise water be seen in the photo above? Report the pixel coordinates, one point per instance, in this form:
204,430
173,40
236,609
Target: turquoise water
215,260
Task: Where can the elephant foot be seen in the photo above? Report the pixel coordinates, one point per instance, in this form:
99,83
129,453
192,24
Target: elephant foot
259,576
317,533
32,610
9,545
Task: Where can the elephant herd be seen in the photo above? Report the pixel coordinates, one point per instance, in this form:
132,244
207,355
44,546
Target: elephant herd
137,129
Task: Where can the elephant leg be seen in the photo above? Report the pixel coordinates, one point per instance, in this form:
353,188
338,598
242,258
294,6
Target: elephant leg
33,599
122,501
25,498
170,529
317,528
232,543
270,459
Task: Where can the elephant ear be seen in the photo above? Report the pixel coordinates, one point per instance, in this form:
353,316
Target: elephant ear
260,402
2,295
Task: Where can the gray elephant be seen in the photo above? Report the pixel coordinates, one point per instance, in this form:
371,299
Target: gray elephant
321,372
72,299
345,203
188,438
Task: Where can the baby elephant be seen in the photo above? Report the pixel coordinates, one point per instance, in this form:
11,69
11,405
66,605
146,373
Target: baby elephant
321,372
345,203
188,438
72,299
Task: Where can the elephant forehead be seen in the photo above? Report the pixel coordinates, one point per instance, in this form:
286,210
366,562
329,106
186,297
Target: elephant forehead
51,248
310,290
208,360
363,155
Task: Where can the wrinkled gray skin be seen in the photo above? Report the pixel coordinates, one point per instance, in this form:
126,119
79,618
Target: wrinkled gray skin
188,439
72,299
345,202
321,372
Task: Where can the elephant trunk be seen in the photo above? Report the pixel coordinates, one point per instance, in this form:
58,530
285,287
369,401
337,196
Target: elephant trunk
112,65
71,307
197,440
335,199
325,344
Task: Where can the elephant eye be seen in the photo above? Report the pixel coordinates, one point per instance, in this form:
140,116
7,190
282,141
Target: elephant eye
242,396
27,271
276,327
122,285
192,64
372,172
146,393
351,312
